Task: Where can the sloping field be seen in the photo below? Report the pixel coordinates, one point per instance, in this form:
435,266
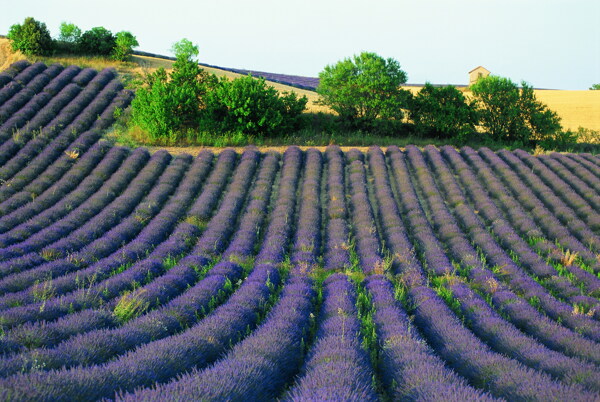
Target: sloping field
419,274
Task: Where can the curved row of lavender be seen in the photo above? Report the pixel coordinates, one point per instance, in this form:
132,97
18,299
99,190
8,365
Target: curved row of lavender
414,274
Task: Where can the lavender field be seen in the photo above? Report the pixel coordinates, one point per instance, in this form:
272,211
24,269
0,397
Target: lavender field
393,274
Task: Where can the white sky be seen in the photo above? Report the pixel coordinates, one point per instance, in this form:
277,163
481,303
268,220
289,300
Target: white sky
548,43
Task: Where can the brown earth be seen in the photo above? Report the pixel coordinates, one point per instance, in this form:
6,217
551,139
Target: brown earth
281,149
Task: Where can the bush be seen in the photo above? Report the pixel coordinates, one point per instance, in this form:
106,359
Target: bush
31,38
442,112
511,114
168,105
248,105
152,108
364,88
124,44
98,40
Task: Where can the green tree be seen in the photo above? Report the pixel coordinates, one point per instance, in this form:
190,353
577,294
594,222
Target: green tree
189,83
443,112
98,40
250,106
69,33
512,114
595,87
365,87
31,38
185,50
124,44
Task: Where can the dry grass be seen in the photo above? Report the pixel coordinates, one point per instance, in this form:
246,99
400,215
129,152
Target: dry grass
7,56
576,108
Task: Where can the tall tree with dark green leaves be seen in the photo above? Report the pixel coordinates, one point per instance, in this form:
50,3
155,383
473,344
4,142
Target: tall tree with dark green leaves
364,87
32,37
97,40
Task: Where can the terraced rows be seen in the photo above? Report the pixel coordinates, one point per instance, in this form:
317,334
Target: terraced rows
417,274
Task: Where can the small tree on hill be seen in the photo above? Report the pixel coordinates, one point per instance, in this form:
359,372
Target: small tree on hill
512,114
595,87
31,38
443,112
365,87
98,40
124,44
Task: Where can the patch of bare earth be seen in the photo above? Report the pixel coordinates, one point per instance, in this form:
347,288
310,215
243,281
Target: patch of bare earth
196,150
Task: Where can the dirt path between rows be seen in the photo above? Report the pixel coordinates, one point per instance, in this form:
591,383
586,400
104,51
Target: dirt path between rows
196,150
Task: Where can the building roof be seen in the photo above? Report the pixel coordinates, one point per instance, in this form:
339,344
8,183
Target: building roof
477,68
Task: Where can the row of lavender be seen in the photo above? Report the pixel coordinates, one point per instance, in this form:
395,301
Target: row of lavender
405,224
405,274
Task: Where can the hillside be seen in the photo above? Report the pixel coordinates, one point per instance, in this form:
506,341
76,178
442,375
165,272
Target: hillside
374,275
576,108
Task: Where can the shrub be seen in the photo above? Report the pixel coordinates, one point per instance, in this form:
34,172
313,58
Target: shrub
442,112
98,40
250,106
167,105
152,108
31,38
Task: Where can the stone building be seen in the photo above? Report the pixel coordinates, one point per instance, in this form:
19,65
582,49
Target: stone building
477,73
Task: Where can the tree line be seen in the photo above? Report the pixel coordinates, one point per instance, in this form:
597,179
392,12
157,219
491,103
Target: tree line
364,91
32,38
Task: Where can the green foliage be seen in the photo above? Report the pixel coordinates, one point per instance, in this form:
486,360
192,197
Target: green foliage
250,106
185,50
166,106
559,141
442,112
130,305
152,106
124,44
69,33
595,87
98,40
511,114
31,38
364,88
